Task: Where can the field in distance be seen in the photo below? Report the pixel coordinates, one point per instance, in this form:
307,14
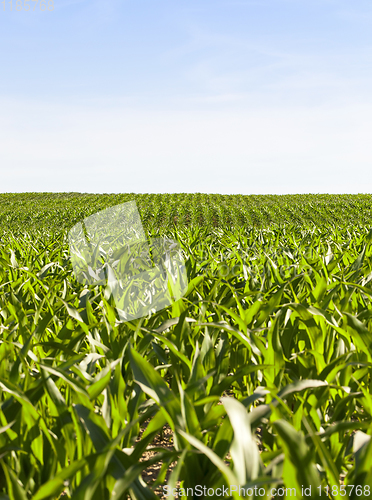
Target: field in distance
58,212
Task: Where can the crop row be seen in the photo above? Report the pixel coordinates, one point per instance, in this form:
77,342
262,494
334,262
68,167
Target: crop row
58,212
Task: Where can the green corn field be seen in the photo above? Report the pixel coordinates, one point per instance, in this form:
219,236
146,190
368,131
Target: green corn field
259,378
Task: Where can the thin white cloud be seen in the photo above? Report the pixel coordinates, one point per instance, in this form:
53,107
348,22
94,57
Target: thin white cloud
290,69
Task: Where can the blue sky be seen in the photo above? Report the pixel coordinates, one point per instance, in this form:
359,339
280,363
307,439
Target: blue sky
238,96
